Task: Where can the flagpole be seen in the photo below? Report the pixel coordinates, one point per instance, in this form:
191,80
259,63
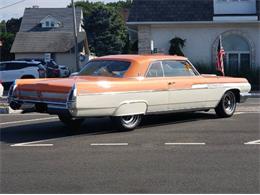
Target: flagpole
75,36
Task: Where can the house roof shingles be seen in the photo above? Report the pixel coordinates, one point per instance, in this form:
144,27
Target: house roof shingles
45,42
32,38
171,10
33,16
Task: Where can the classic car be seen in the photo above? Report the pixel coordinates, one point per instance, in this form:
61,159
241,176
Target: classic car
127,87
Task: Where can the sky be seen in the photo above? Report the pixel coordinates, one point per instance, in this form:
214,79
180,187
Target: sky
16,11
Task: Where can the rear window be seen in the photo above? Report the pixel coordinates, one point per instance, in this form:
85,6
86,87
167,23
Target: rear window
108,68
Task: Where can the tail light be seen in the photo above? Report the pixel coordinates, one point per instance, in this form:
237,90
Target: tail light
72,94
11,92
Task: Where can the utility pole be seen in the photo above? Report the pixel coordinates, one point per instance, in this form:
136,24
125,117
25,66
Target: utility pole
75,35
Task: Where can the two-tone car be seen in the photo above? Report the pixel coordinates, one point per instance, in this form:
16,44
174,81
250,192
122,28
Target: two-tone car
128,87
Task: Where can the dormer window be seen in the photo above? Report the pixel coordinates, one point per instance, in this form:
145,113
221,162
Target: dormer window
50,22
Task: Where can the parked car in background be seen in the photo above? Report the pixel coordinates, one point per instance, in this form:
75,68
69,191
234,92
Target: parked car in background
1,89
52,69
64,71
12,70
127,87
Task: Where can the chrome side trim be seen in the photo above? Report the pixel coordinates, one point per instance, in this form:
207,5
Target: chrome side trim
200,86
179,110
121,92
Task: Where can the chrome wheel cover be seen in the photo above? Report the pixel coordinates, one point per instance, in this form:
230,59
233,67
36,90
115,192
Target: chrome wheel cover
229,102
130,120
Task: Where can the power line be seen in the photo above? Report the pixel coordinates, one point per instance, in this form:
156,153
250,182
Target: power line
12,4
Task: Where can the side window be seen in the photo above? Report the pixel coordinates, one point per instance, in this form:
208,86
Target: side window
24,65
155,70
13,66
177,68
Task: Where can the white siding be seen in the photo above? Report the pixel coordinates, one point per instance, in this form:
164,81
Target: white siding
200,38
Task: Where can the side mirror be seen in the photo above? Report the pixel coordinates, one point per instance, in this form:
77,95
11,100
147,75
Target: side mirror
74,74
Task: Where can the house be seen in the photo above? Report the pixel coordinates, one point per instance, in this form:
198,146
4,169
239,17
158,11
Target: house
50,30
201,23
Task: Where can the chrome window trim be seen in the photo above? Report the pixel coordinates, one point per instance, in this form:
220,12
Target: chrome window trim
161,61
149,67
196,73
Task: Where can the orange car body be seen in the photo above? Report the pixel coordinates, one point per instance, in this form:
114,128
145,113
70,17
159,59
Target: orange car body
136,92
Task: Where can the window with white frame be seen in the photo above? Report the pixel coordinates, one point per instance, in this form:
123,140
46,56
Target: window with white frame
50,22
237,57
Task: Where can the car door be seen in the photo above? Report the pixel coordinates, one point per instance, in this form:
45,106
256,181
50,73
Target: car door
14,71
3,71
157,98
9,73
182,80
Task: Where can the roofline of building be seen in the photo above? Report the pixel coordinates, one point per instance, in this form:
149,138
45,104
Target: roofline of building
189,22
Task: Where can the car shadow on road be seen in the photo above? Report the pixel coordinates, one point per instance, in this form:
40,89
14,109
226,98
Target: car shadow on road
91,127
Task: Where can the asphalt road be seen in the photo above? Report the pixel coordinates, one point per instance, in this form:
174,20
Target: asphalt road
176,153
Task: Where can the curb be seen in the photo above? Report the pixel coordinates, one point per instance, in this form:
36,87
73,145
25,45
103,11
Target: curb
254,95
8,110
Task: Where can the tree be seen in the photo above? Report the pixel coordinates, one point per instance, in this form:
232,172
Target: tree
7,40
119,5
106,31
13,25
176,45
8,31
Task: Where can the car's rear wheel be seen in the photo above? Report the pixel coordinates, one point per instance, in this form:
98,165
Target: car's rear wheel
70,121
227,105
127,123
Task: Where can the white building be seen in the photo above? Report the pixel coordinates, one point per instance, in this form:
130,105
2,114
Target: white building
200,23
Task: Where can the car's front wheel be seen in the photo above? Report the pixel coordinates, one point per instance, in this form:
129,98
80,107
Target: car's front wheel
70,121
227,105
127,123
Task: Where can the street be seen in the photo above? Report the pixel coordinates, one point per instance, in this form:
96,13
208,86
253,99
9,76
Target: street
173,153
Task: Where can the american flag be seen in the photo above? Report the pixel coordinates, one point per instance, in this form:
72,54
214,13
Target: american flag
220,55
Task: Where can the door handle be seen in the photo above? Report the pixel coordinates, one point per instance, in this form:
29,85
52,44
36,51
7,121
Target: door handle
171,83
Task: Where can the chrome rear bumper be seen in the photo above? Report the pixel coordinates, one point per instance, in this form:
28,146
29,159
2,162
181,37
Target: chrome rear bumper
40,106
